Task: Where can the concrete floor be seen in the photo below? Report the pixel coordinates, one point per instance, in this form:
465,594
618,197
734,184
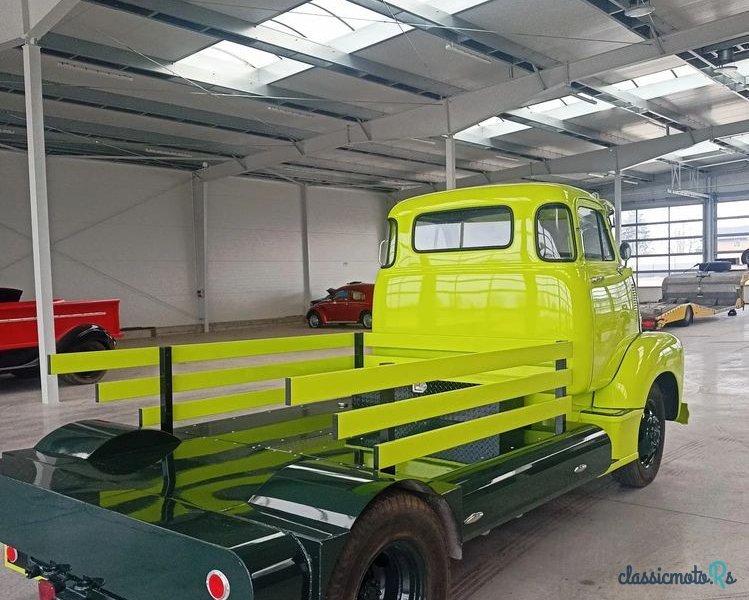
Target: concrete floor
696,512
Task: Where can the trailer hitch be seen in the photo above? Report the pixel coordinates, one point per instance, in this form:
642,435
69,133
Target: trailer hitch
67,585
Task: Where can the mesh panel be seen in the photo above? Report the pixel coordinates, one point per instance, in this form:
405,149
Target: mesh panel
467,453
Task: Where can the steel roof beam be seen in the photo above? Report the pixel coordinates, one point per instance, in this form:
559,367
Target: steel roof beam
261,86
225,27
469,108
606,159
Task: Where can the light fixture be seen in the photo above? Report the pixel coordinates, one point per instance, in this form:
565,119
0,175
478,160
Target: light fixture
8,131
467,52
726,64
585,98
639,8
289,111
598,175
166,152
94,70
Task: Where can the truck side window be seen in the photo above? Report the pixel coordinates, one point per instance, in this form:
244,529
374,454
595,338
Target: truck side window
463,229
595,236
554,239
391,245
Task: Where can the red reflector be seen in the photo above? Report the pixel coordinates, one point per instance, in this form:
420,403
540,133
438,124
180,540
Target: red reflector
218,585
11,554
47,590
648,324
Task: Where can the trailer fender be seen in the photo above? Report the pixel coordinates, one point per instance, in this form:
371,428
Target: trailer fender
652,355
85,333
331,497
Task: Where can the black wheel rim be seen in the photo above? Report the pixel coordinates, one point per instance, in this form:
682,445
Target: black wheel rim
650,436
396,573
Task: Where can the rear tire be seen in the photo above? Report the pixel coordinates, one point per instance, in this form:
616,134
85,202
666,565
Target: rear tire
688,317
396,551
366,320
85,377
314,320
650,440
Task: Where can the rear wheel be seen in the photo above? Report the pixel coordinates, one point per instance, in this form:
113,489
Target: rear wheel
85,377
395,551
366,320
314,320
650,439
688,317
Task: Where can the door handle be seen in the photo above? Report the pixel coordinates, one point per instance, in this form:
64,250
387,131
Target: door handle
597,279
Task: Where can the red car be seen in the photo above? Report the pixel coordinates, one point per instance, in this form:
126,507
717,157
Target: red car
351,303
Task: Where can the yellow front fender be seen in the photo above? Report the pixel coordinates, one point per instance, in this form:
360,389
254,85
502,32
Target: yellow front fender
651,355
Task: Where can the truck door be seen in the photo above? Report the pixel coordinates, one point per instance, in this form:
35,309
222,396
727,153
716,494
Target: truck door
612,294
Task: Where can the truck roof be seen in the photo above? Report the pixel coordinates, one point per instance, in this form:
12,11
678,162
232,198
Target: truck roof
513,193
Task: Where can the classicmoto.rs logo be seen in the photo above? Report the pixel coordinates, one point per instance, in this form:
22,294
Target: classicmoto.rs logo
717,573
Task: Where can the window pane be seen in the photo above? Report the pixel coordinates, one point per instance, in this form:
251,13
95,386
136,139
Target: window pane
652,263
652,247
652,215
650,279
686,213
629,217
733,209
596,241
650,232
470,228
733,225
686,246
682,263
686,229
734,244
629,233
554,227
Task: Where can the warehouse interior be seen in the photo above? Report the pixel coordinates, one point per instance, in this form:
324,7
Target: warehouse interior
217,165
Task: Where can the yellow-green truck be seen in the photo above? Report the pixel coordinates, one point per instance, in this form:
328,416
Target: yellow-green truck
506,366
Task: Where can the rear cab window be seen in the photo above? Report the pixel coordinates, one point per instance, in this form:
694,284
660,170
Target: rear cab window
463,229
555,239
597,244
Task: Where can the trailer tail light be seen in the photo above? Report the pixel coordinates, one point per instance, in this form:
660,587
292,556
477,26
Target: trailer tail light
11,554
649,324
47,590
218,585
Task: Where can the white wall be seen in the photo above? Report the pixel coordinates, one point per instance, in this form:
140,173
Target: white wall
127,231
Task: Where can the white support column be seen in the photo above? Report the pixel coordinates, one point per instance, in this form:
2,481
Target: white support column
32,76
304,211
710,220
618,206
450,178
200,219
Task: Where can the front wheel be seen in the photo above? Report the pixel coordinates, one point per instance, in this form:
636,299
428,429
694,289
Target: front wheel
366,320
314,320
650,440
395,551
85,377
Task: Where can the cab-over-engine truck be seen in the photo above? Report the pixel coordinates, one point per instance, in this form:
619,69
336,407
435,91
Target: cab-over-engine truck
506,366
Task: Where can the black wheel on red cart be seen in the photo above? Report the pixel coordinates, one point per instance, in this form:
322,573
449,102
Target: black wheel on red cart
395,551
85,377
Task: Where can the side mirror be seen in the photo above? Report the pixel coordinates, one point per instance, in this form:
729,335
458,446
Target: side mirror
625,251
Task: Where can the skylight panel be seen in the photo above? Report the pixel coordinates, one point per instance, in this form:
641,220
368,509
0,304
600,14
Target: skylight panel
547,106
625,85
322,21
228,56
654,78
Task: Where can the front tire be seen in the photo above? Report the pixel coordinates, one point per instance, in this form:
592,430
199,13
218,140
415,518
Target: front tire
85,377
366,320
650,441
314,320
395,551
